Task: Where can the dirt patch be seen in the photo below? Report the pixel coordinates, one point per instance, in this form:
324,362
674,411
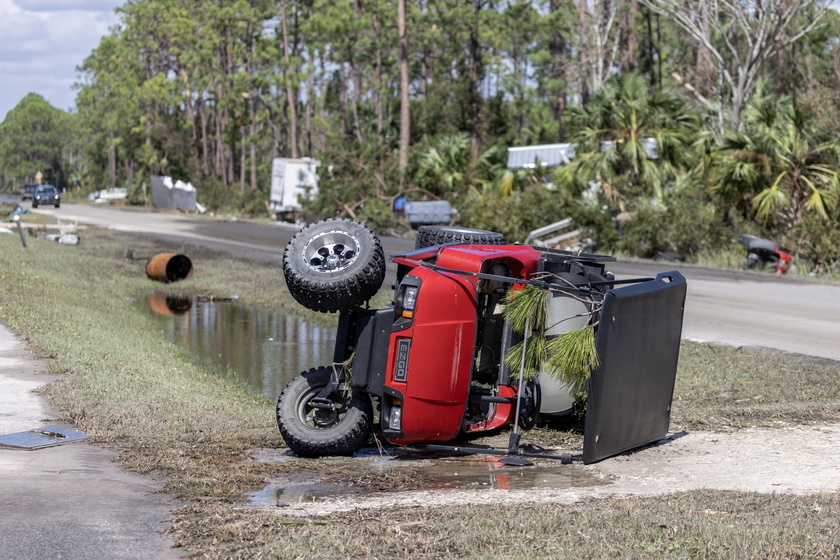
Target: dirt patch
787,459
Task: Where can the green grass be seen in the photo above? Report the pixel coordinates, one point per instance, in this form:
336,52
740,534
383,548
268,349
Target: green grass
723,387
126,386
732,257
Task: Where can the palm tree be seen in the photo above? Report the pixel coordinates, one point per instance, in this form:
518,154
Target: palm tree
631,142
780,167
446,167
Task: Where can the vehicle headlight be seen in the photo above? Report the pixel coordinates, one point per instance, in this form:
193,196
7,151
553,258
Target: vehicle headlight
409,301
395,419
405,301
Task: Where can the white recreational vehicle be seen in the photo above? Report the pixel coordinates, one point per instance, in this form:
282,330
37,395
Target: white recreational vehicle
292,181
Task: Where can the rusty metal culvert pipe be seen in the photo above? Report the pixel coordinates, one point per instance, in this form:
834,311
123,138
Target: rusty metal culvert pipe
169,267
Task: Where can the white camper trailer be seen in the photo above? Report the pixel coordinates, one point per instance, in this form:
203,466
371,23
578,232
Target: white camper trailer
292,181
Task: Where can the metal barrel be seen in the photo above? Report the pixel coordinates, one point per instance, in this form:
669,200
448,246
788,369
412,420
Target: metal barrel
169,267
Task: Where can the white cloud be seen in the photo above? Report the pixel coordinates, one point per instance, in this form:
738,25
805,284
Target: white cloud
41,44
64,5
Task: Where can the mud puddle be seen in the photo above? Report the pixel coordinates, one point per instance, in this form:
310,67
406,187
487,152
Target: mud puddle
404,470
258,348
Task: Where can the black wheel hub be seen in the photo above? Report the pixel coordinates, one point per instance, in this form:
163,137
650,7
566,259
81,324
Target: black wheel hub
322,413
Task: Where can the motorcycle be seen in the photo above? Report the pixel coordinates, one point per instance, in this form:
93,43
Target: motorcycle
761,252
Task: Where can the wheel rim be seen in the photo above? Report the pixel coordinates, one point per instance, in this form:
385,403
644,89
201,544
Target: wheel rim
331,251
318,418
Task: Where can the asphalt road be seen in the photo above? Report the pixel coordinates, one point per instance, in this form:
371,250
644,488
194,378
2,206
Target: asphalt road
739,308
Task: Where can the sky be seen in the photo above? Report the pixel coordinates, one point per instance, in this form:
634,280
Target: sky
41,44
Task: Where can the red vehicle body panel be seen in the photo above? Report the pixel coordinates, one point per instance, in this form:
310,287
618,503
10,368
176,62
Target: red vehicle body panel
503,415
437,381
437,378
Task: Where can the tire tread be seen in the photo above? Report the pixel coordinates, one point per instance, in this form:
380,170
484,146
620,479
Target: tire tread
353,433
340,293
429,236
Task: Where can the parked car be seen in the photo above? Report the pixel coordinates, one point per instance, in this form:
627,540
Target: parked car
46,194
430,367
27,191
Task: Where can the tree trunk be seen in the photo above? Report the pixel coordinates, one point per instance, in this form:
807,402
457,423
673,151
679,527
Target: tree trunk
309,109
784,75
322,109
251,102
475,70
558,74
290,90
253,149
629,62
242,165
377,93
345,103
205,149
704,66
355,98
219,155
405,106
356,74
188,104
231,158
424,92
112,160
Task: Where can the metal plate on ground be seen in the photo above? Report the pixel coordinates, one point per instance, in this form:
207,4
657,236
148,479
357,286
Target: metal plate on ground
638,342
41,437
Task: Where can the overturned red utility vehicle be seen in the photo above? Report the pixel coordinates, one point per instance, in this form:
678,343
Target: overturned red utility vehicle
431,366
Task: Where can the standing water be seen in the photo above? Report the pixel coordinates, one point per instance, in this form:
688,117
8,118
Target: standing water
261,349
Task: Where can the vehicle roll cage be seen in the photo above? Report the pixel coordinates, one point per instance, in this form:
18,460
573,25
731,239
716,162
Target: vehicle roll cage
581,258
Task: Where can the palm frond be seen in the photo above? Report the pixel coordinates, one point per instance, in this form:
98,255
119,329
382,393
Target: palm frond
769,201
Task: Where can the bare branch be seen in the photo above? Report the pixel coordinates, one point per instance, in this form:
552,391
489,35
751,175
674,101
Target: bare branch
761,28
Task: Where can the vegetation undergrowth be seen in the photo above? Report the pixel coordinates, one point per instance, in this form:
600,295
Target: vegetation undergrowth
127,386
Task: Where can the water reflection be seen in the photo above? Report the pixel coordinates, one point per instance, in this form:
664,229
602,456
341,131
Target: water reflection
360,475
169,304
260,348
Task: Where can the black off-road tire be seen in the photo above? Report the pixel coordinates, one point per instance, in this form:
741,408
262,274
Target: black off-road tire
34,204
334,265
429,236
314,432
529,407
